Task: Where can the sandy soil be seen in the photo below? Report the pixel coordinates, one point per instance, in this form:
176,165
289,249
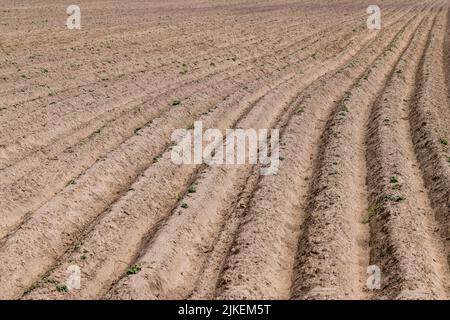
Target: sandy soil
86,177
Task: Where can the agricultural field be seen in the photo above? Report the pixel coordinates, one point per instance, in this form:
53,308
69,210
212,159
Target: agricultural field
88,183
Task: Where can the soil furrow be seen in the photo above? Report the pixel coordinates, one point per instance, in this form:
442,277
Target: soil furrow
270,227
164,289
37,140
165,175
429,123
333,251
105,181
94,126
158,51
32,191
36,188
102,226
357,208
250,49
405,243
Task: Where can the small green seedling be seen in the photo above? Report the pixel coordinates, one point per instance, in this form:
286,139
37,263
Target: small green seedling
192,189
394,179
396,198
31,288
156,159
61,288
133,270
373,209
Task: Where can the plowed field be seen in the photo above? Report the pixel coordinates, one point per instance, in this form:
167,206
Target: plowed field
86,176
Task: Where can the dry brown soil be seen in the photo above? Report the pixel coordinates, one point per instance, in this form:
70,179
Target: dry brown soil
86,178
